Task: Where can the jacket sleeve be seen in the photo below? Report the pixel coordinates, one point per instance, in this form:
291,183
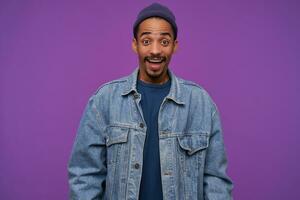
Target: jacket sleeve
87,167
217,185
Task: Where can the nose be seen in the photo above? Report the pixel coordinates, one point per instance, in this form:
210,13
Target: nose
155,48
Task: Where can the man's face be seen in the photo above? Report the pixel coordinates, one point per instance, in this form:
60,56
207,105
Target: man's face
154,45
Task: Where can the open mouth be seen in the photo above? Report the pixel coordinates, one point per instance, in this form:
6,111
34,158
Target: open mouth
155,60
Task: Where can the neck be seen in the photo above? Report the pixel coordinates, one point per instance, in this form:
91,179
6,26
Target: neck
156,80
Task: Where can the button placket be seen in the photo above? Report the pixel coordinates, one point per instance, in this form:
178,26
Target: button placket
135,95
136,165
142,125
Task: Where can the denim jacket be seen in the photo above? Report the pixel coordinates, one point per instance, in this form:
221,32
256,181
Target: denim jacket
106,160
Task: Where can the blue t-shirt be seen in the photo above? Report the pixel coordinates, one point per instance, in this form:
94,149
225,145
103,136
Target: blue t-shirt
152,97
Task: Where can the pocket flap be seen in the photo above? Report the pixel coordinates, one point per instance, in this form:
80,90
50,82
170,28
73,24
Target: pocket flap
117,135
193,142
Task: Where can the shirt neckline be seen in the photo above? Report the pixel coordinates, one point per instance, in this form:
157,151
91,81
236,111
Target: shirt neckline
154,85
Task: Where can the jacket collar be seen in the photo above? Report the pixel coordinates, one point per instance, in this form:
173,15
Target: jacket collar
174,94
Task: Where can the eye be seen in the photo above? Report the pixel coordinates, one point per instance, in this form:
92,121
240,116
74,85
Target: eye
165,42
146,42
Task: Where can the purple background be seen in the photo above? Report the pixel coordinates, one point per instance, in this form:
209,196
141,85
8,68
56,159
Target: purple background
55,54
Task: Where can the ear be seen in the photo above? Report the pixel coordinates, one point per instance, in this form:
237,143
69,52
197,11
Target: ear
175,46
134,45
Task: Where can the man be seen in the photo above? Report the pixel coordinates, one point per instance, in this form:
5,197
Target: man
150,135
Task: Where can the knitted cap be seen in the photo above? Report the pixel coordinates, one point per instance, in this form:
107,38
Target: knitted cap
156,10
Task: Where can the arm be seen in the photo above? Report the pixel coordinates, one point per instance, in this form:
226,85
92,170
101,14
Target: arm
217,185
87,164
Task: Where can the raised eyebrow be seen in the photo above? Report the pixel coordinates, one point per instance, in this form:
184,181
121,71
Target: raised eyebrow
166,34
163,34
145,33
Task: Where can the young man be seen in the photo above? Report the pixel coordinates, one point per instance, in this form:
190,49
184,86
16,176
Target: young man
150,135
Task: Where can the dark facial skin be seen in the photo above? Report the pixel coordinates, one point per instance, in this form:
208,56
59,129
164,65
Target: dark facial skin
154,45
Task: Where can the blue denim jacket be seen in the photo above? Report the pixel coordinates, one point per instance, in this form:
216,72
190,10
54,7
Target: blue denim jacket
106,160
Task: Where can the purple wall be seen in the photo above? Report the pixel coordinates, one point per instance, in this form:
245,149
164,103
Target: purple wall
54,55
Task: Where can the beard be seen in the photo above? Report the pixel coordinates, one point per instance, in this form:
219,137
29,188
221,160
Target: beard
154,68
158,72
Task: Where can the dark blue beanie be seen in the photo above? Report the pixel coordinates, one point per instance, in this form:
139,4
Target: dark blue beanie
156,10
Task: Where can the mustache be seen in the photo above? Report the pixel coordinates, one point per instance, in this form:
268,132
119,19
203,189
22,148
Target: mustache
148,58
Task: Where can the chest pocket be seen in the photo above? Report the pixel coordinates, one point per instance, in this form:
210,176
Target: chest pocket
117,148
191,143
116,142
191,151
116,135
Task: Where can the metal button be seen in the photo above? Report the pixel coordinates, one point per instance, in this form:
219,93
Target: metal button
137,166
141,125
135,95
168,173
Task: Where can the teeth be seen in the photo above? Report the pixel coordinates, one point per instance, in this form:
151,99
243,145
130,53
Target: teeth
155,61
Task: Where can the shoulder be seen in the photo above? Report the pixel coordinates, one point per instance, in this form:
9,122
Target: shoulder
191,86
108,92
110,86
195,92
